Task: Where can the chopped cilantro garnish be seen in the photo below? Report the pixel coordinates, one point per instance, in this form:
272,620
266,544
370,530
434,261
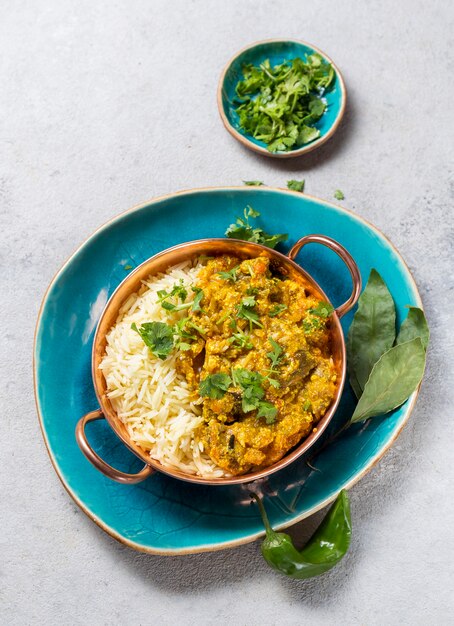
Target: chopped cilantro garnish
276,355
250,384
241,340
127,267
277,308
197,299
242,229
178,291
157,336
230,275
339,195
317,316
246,311
323,309
307,405
253,183
279,105
215,386
183,346
268,411
296,185
248,301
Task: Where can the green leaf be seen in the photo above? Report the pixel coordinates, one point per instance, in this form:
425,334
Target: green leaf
253,183
277,308
392,380
241,340
415,325
268,411
178,291
271,241
197,299
230,275
307,134
339,195
243,230
372,331
249,315
250,384
157,336
276,355
296,185
215,386
323,309
183,346
277,104
317,108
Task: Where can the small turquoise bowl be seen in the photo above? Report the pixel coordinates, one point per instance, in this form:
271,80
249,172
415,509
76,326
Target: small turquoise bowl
278,51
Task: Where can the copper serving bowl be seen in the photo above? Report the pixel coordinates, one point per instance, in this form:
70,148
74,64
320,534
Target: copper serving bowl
160,263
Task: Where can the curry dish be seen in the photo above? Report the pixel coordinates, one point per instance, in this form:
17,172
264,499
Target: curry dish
259,362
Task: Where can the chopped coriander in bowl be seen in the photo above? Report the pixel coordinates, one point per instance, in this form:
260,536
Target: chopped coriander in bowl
281,98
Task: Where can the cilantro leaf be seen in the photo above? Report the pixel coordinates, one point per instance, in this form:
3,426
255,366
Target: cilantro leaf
250,384
248,301
243,230
279,104
278,308
276,355
198,299
241,340
268,411
157,336
178,291
253,393
323,309
246,311
339,195
215,386
230,275
253,183
296,185
317,317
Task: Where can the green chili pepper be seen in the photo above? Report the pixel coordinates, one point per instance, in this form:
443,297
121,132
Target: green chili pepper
324,550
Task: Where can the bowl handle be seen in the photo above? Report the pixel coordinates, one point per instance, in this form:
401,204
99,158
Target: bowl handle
346,258
102,466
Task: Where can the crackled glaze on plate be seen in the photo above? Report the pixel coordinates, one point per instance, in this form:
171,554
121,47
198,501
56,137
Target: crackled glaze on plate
163,515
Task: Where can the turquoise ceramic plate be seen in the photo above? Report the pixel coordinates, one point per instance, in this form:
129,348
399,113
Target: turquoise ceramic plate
164,515
278,51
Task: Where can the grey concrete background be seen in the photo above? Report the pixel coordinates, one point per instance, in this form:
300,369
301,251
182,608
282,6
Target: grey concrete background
106,104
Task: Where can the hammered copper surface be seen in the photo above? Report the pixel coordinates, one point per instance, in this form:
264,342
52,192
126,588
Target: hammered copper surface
160,263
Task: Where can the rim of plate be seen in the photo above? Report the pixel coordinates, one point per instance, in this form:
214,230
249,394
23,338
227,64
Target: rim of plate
260,149
250,538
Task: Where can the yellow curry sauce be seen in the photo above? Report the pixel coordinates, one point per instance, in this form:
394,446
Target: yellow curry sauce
286,346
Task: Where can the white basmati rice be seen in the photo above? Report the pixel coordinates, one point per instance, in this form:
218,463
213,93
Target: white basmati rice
148,394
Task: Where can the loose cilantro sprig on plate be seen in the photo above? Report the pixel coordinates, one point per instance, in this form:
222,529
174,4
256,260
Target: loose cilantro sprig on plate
242,229
253,183
296,185
279,105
